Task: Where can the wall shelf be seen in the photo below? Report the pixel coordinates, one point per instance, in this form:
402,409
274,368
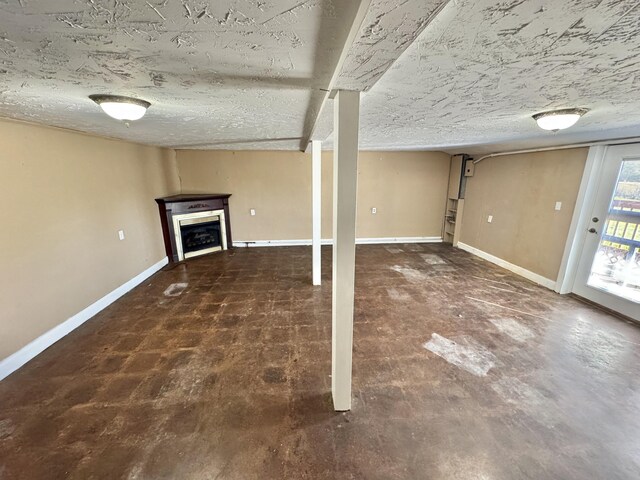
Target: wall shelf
455,204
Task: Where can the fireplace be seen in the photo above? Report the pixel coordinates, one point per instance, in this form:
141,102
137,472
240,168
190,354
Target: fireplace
195,224
199,233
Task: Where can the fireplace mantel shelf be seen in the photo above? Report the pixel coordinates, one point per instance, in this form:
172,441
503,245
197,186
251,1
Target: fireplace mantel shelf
190,197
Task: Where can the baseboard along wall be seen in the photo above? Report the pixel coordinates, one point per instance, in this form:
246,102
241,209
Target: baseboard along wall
534,277
329,241
16,360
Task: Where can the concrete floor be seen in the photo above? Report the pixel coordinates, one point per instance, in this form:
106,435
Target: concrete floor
462,370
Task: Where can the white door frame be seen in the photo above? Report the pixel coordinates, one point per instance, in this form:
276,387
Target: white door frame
581,218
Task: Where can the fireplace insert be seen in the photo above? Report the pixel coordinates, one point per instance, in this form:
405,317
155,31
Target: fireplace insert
200,235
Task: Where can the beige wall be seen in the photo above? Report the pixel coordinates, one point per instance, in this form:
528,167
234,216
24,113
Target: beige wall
520,191
66,195
409,191
275,183
407,188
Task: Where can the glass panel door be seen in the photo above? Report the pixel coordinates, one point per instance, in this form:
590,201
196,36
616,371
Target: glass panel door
616,265
608,270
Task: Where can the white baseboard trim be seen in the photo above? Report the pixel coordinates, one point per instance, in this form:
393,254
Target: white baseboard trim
14,361
329,241
276,243
534,277
383,240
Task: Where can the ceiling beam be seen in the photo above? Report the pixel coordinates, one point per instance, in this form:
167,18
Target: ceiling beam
353,35
380,33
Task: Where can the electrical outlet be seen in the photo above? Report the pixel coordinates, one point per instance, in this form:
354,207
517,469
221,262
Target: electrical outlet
490,219
558,205
121,234
374,210
252,212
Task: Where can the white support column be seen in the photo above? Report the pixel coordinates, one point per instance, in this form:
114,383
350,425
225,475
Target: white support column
316,182
345,180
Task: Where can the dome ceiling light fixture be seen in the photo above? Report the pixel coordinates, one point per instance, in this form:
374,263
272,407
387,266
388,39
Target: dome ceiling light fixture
559,119
121,108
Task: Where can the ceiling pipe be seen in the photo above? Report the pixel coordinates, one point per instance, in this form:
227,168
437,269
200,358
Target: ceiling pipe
616,141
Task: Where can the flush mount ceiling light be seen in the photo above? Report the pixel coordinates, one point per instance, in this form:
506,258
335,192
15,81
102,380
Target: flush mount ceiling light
559,119
121,108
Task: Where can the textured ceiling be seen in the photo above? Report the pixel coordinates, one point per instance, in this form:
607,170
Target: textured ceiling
250,73
388,28
245,71
481,68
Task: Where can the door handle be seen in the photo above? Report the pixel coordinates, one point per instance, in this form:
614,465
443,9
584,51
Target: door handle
592,230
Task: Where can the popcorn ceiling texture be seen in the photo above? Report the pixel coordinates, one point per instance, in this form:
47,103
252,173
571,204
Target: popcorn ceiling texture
248,74
481,68
389,27
244,71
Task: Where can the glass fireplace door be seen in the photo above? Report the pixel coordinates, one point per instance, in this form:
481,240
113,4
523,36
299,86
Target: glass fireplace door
199,233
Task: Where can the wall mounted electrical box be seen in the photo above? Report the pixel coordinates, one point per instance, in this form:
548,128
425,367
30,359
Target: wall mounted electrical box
469,167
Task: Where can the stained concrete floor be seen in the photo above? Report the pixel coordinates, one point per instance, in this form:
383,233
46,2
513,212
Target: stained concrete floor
462,370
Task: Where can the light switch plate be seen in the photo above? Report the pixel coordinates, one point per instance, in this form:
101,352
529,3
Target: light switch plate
558,205
121,234
374,210
252,212
490,219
